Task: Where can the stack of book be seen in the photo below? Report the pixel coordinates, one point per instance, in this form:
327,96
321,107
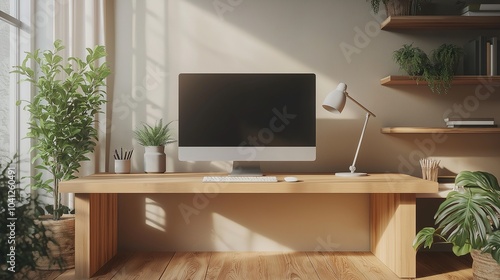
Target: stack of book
481,10
481,56
470,122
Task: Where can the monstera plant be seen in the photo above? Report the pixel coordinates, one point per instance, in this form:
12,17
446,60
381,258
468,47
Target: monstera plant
468,218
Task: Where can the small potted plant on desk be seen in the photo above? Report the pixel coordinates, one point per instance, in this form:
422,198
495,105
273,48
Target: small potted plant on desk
69,93
469,220
154,139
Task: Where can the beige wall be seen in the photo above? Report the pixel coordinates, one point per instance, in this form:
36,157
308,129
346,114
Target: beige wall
156,40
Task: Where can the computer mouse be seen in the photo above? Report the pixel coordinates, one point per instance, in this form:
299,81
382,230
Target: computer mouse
291,179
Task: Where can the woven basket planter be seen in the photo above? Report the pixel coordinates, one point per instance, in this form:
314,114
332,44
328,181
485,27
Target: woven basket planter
484,267
61,251
398,7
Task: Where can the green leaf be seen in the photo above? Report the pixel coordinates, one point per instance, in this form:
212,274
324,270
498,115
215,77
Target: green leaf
158,135
425,238
461,250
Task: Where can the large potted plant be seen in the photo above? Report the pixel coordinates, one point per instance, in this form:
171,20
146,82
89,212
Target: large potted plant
69,93
469,220
154,138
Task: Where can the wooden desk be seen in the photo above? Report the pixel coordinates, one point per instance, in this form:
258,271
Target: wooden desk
392,209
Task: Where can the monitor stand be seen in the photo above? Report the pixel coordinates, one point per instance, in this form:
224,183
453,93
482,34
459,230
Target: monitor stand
246,168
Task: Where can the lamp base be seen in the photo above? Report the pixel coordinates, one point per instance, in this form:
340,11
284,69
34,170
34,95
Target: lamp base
350,174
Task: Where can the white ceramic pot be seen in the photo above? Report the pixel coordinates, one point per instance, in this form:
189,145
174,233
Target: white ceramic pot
155,159
122,166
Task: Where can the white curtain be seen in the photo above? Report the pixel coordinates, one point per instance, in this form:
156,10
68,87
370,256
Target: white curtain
82,24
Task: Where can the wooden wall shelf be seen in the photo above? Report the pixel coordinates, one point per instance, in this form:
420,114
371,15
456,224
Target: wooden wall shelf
427,130
457,80
441,22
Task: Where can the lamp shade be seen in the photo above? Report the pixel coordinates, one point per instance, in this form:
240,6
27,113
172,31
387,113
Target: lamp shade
335,100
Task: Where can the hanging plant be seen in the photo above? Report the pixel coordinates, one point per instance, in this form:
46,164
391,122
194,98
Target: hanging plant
445,61
412,60
438,71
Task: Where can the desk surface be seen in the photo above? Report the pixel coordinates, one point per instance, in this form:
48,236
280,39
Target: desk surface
192,183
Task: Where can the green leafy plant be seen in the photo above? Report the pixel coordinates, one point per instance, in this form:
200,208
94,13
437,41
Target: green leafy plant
69,95
467,219
25,236
157,135
438,71
409,6
411,59
445,61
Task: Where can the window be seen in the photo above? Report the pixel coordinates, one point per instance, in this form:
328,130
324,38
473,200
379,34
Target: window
14,25
9,7
4,92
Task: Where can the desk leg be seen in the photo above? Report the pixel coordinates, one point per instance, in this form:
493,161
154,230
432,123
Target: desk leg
95,232
392,229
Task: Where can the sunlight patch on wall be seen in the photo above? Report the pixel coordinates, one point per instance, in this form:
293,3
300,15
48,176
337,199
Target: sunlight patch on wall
203,42
228,235
149,67
155,215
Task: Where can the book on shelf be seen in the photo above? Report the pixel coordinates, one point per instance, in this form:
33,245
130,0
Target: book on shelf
487,119
459,122
482,14
495,63
467,122
488,58
481,56
481,7
471,126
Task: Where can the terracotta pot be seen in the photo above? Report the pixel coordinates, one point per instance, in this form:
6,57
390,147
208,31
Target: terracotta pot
61,251
484,267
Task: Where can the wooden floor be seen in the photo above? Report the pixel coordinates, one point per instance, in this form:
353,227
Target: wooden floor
270,265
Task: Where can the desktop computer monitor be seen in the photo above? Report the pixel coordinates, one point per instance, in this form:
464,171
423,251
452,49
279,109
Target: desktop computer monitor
247,118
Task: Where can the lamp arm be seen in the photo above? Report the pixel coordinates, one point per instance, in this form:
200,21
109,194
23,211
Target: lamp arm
352,168
359,104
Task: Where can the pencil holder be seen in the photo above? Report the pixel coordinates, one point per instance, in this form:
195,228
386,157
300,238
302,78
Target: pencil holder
430,169
122,166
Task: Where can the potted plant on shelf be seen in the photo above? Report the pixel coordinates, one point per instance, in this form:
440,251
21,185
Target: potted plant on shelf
413,60
438,71
69,93
154,138
469,220
445,61
397,7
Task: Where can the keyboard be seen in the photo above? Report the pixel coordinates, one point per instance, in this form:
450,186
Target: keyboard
240,179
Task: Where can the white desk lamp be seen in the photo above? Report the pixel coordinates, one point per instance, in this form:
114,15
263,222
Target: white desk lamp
335,102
